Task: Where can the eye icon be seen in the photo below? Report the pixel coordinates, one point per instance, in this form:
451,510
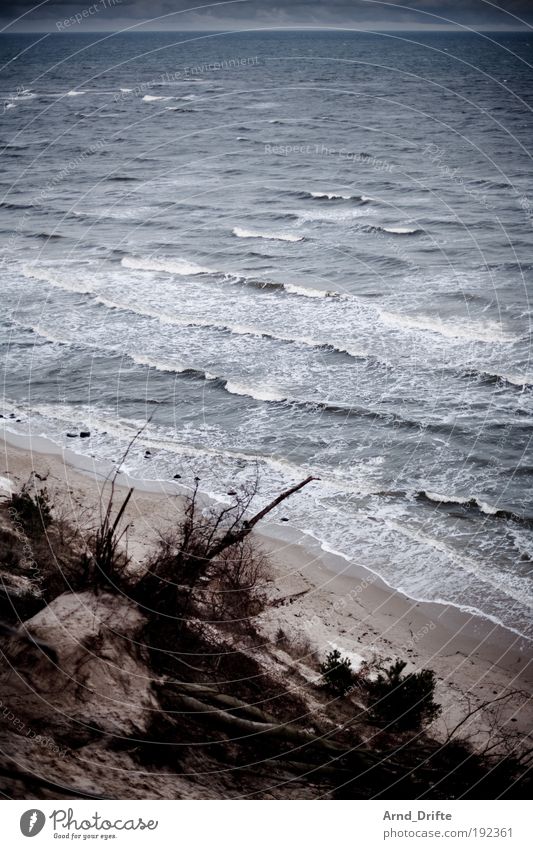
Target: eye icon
32,822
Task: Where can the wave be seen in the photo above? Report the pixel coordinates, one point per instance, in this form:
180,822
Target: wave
48,236
183,267
25,94
165,366
254,234
172,266
308,292
402,231
44,334
236,329
394,231
490,331
520,381
74,93
332,196
475,504
261,394
48,276
231,386
174,367
13,205
150,98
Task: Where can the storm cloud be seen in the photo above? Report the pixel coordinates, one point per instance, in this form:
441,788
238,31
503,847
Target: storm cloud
87,15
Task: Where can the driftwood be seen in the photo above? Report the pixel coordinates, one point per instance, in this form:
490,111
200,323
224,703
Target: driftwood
284,733
234,537
196,700
197,552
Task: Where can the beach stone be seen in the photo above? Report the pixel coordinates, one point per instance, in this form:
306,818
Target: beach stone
72,435
85,433
177,477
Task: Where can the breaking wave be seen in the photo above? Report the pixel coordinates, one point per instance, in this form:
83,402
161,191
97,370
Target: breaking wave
471,331
172,266
254,234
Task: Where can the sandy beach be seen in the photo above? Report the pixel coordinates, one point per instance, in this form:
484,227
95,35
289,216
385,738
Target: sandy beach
316,596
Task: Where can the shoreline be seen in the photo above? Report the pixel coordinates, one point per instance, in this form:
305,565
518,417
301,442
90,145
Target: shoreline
318,596
334,561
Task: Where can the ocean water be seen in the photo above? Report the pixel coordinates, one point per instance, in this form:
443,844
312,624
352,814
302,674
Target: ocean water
293,253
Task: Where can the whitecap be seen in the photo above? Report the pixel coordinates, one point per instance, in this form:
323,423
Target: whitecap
48,276
254,234
471,331
400,231
159,365
445,499
330,196
308,292
517,379
261,394
46,334
171,266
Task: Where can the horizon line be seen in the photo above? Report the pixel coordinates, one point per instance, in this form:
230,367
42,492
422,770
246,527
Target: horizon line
278,28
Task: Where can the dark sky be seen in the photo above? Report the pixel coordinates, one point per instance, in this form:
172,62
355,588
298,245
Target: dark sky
197,14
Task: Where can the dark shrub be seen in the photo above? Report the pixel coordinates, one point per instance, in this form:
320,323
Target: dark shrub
338,674
403,701
32,510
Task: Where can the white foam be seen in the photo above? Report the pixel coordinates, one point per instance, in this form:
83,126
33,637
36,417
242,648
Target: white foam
46,334
126,90
400,231
149,98
487,508
517,379
171,266
446,499
254,234
159,365
262,394
26,94
237,329
40,273
471,331
330,196
308,292
74,93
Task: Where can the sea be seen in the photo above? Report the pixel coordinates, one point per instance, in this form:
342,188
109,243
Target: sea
275,254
